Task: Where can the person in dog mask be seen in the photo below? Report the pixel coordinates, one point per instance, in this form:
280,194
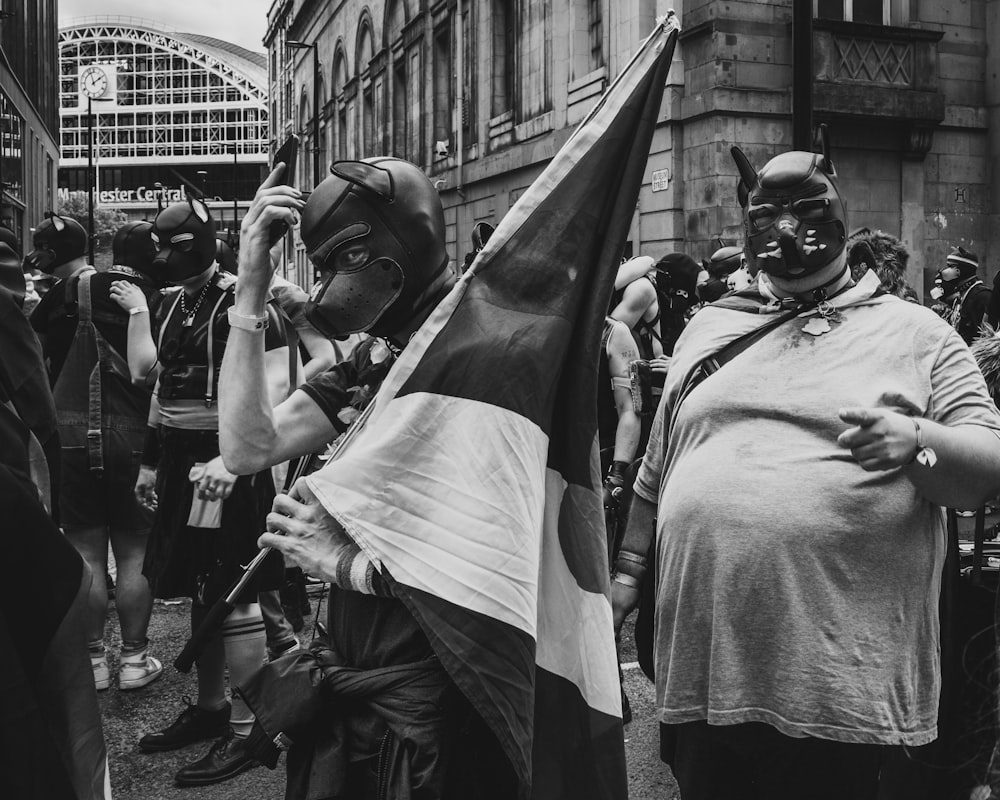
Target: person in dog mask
206,518
375,231
841,454
60,247
958,286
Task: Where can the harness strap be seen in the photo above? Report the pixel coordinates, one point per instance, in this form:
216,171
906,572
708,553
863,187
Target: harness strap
95,440
210,381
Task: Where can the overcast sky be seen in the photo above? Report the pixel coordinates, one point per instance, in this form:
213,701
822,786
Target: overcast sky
241,21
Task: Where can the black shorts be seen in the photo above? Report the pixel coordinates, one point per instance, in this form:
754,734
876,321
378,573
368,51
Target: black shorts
96,500
202,563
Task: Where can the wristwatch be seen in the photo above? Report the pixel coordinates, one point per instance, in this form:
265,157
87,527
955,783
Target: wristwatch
924,456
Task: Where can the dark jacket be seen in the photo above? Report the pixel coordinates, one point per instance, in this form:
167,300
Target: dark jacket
305,702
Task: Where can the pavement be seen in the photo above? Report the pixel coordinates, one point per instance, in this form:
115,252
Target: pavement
149,776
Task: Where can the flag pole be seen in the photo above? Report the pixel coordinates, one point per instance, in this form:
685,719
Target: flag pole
224,605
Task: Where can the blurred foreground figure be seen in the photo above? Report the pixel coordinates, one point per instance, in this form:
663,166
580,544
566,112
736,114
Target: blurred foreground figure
51,742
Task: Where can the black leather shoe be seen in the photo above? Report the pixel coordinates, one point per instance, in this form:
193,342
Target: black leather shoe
193,725
226,759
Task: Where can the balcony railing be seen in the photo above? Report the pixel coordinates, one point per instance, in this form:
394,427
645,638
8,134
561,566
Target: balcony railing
873,61
866,71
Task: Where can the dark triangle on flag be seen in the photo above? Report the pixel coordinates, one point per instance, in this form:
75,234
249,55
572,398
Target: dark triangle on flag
525,336
540,300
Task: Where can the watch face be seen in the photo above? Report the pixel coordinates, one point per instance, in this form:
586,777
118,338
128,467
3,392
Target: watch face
93,82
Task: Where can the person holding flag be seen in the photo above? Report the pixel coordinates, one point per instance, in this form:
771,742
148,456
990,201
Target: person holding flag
471,650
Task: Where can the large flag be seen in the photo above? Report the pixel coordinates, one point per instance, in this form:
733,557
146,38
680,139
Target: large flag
476,483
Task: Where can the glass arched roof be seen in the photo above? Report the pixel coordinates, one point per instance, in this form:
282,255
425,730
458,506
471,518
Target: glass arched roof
180,96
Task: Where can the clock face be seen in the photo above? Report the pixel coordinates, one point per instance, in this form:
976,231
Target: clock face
93,82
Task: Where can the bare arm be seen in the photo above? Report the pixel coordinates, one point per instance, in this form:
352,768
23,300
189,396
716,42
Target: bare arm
967,469
322,353
141,348
636,299
629,573
621,352
252,436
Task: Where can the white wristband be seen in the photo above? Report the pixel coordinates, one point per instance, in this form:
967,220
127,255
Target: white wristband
138,310
247,323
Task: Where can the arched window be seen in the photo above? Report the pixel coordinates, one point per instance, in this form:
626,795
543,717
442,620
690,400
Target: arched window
399,118
340,103
367,92
324,156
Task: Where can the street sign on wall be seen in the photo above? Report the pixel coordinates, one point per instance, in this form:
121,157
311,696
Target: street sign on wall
661,179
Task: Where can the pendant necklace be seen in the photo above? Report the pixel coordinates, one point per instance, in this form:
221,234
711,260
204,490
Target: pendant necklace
189,315
820,324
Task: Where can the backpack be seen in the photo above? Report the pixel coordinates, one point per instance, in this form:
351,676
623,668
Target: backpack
94,391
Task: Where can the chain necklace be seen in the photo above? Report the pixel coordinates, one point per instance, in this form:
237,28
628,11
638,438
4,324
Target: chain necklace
189,315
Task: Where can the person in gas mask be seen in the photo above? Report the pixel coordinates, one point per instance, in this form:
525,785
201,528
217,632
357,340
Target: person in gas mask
206,518
958,286
375,231
796,618
84,336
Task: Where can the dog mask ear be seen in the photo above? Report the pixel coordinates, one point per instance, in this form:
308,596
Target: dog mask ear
748,175
200,209
823,134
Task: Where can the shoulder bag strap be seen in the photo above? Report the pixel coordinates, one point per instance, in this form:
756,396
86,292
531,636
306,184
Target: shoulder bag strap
713,363
95,441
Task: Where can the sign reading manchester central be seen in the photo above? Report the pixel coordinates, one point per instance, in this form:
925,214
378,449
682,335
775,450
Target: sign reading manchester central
143,194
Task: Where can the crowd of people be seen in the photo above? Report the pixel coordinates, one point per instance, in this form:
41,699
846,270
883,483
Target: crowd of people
781,428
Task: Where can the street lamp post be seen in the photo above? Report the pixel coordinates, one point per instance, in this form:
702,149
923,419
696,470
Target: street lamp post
236,211
315,102
90,181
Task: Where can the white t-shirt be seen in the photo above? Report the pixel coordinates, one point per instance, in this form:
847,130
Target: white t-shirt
794,588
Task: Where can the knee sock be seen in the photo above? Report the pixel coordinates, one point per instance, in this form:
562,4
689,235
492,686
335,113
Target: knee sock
246,652
211,666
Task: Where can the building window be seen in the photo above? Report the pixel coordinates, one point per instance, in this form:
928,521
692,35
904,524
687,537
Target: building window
398,84
469,82
368,122
534,58
400,138
502,18
367,91
595,25
870,12
340,127
443,86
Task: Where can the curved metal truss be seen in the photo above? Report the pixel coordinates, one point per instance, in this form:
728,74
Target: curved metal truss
166,43
175,100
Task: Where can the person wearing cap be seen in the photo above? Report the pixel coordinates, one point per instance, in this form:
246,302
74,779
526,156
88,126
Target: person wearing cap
80,326
725,272
958,286
796,615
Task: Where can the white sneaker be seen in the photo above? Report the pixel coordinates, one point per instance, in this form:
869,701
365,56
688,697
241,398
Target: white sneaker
138,670
102,675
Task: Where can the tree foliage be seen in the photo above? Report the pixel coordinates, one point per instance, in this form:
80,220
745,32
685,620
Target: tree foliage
107,220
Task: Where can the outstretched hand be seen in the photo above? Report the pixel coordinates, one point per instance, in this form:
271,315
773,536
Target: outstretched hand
879,439
306,534
274,202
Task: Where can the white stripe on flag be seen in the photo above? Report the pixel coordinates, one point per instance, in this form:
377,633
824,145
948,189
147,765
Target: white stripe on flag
447,493
587,658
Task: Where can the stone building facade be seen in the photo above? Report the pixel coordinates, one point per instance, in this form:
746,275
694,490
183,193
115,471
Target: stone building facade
482,93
